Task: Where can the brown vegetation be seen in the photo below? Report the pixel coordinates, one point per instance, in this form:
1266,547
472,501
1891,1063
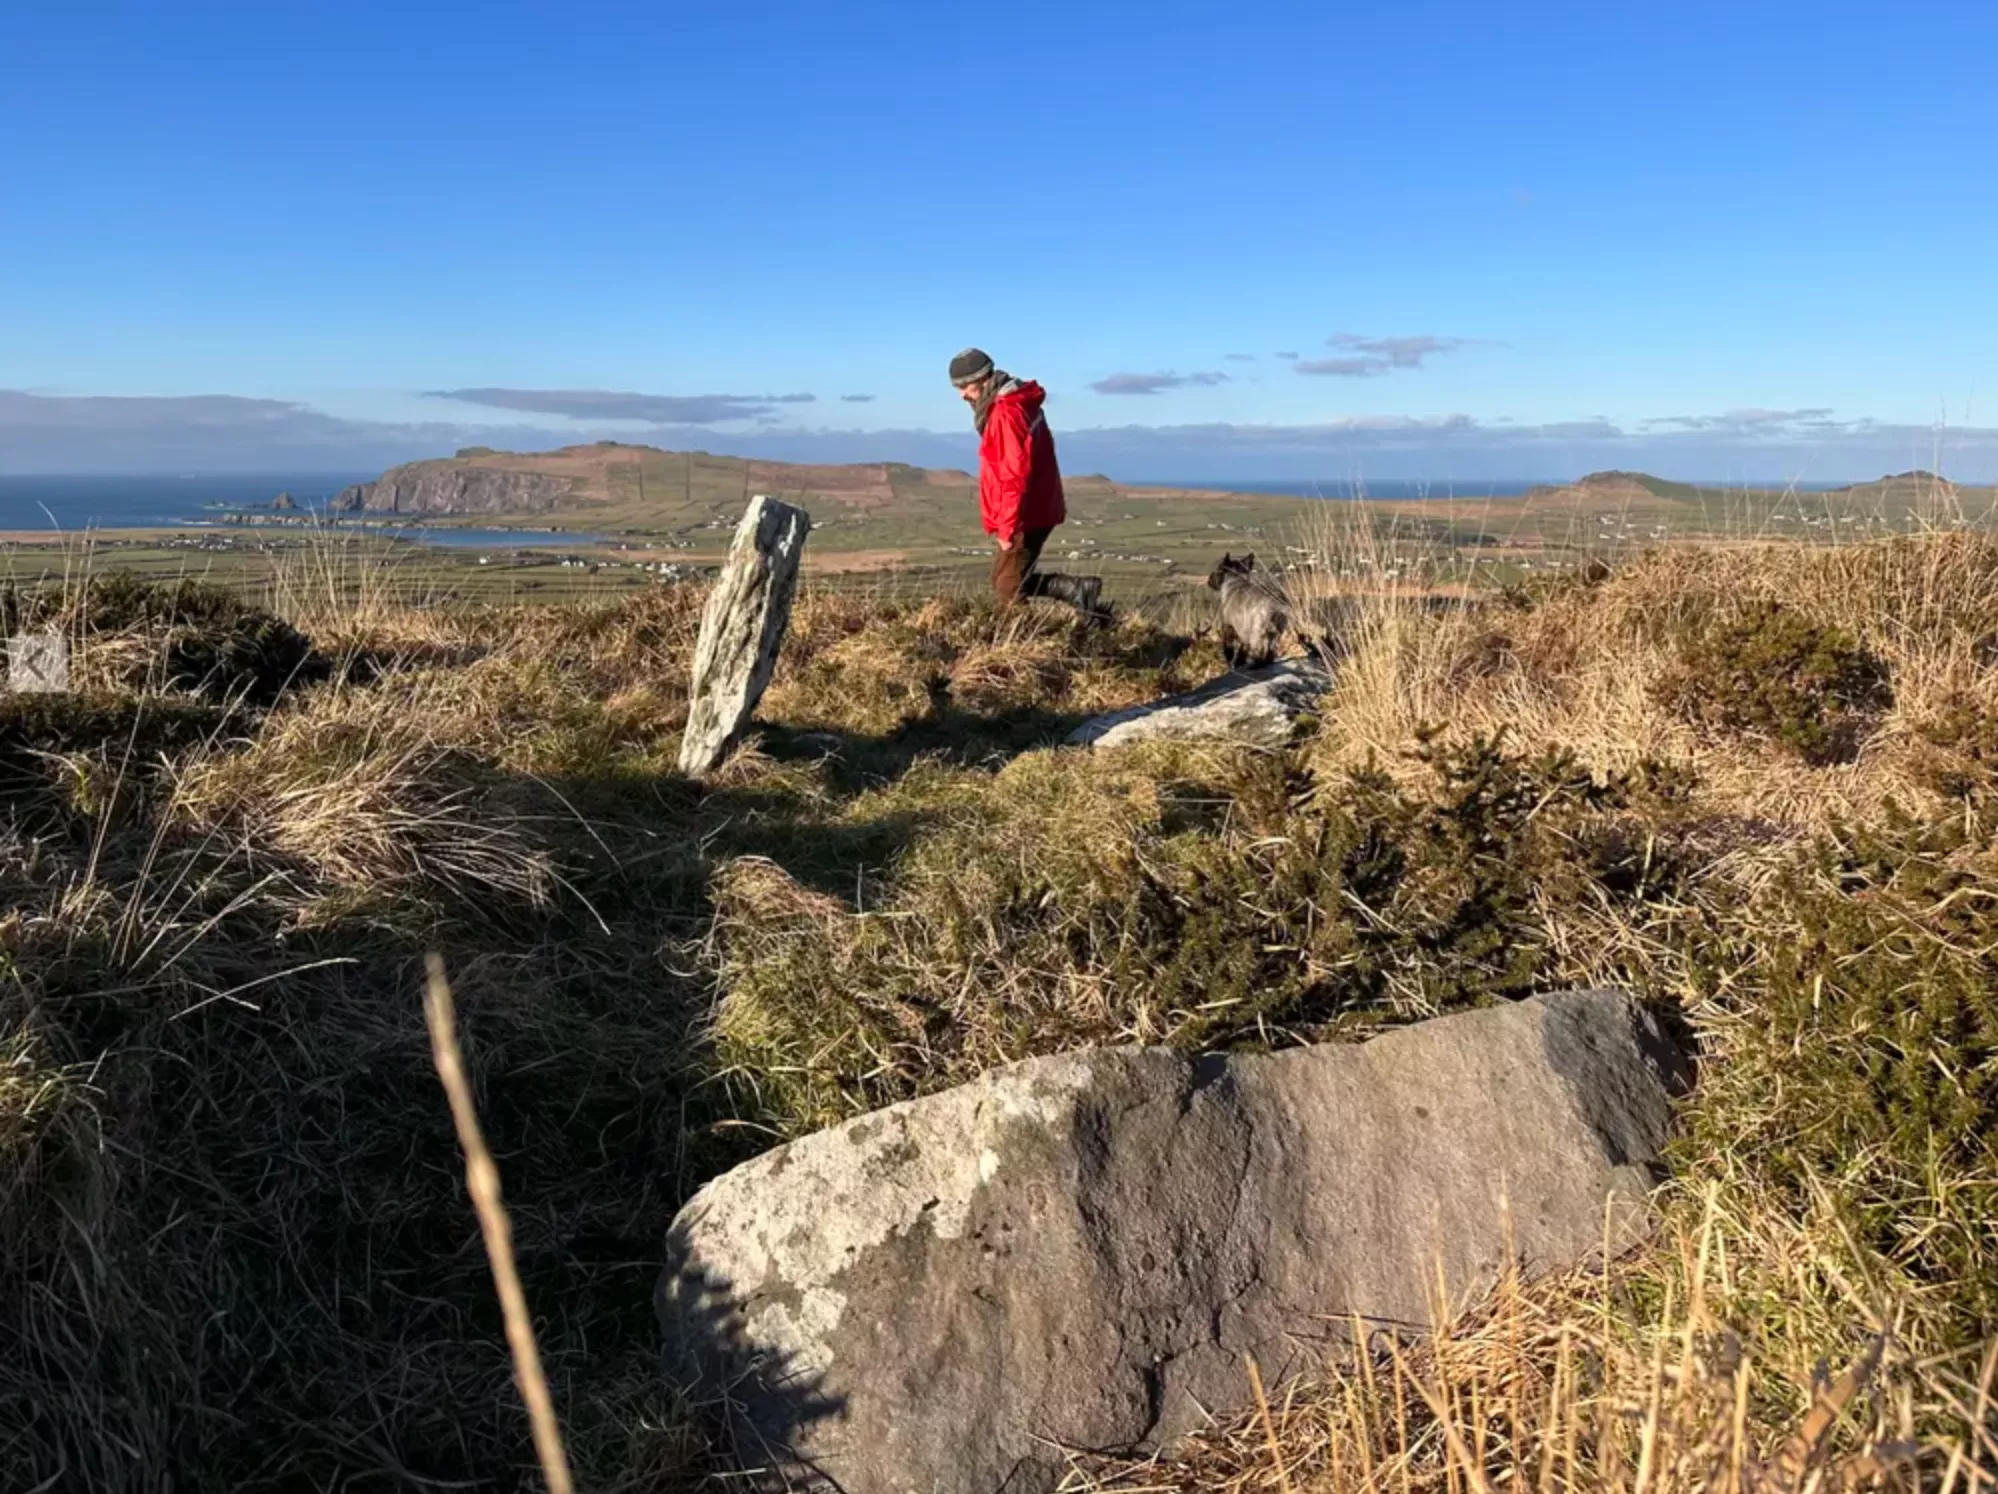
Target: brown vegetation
235,1249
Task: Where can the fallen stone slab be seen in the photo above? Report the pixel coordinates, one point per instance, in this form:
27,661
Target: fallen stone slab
1077,1252
742,628
1259,707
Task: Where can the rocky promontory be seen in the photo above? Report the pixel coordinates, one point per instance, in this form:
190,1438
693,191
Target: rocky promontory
437,488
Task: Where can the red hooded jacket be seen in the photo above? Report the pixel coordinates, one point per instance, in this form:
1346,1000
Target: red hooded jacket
1019,482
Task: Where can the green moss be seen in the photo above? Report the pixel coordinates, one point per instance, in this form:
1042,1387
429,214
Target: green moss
1962,763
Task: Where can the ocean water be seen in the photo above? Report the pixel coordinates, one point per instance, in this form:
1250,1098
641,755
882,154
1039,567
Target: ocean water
1355,487
74,503
49,505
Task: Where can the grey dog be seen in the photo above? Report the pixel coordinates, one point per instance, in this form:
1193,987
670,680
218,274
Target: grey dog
1256,614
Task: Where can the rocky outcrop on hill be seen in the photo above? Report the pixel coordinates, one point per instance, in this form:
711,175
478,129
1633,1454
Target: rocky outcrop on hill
440,488
1918,480
1078,1252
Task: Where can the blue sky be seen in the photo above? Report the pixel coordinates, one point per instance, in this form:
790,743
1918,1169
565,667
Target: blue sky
1712,239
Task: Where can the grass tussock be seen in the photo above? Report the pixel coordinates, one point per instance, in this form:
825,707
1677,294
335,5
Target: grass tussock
1753,784
370,801
1760,666
128,636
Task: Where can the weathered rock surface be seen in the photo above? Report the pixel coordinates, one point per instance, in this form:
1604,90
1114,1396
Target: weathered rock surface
1077,1252
1259,707
742,628
446,487
38,663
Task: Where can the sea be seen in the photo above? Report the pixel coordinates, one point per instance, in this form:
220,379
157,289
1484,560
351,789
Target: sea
1352,487
73,505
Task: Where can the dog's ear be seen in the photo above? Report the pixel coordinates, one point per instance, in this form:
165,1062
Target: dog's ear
1249,561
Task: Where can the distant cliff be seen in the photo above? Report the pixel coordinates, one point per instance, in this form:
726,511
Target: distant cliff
438,488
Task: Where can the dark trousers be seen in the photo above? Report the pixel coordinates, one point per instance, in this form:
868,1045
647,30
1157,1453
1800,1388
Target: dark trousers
1013,575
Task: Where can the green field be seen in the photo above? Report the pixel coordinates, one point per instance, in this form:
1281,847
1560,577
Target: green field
905,530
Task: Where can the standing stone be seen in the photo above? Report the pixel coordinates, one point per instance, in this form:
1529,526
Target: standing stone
1077,1252
742,629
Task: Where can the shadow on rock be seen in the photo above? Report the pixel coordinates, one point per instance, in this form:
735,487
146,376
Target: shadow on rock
757,1398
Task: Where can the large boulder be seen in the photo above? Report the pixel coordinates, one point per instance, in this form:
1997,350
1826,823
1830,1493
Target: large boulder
1077,1252
1259,707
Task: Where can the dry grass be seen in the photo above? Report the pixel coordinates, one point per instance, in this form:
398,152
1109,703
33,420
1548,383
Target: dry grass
1580,665
1562,1386
358,789
234,1247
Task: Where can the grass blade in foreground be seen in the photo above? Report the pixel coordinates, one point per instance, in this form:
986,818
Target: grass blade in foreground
482,1180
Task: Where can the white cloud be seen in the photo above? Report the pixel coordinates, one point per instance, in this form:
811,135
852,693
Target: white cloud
214,433
1154,383
607,404
1370,357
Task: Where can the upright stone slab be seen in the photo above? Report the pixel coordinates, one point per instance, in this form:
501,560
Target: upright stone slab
1077,1252
742,629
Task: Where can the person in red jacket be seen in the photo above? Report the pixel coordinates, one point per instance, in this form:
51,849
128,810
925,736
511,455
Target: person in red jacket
1020,498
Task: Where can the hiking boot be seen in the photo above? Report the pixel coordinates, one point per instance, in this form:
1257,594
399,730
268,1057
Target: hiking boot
1084,593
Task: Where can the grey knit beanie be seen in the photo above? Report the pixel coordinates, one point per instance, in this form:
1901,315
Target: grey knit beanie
969,366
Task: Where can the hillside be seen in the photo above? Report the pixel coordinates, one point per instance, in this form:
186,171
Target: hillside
1754,784
615,483
921,515
1916,485
608,518
645,489
682,506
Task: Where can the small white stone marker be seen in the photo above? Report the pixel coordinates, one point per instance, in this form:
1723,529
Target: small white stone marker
38,663
742,629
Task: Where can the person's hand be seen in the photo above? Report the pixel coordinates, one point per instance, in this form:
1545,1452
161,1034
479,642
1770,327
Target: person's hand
1004,543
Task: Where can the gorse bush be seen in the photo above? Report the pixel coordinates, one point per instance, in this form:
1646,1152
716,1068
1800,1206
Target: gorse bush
1866,1067
1199,898
1770,672
1962,761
